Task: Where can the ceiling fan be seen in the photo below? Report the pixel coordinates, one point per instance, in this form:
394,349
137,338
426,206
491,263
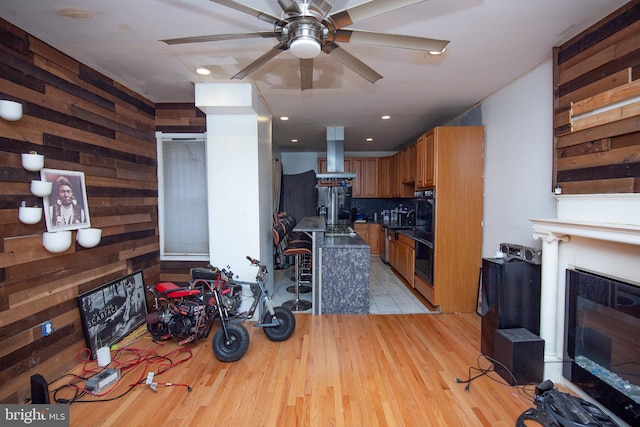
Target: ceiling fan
306,28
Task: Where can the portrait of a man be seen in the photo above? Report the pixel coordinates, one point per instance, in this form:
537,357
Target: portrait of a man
66,207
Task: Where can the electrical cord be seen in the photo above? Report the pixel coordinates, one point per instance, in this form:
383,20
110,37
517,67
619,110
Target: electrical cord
126,360
522,389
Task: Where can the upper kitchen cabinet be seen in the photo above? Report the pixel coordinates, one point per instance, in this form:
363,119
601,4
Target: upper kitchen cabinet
408,164
385,176
365,184
322,165
425,161
402,180
449,151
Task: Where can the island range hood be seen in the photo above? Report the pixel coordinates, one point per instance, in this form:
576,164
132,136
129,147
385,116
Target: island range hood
335,157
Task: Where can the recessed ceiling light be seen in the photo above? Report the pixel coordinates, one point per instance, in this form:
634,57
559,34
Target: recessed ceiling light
385,117
369,140
203,71
284,118
294,140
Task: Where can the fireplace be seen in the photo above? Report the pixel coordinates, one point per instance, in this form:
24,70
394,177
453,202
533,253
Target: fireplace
591,233
602,353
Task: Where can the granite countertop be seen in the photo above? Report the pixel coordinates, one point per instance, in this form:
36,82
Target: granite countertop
317,223
311,223
344,242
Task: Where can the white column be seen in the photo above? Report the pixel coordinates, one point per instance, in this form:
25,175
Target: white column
239,176
549,298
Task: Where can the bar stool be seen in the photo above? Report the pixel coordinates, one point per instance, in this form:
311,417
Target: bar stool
303,275
298,249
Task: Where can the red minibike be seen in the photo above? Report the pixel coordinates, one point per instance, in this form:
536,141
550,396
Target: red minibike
188,313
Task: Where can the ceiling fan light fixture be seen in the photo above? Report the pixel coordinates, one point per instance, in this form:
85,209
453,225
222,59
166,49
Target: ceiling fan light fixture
305,47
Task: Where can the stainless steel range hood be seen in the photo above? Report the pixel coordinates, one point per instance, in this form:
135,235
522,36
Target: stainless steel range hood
335,156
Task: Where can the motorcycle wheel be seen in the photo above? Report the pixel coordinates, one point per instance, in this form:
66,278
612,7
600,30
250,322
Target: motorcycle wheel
236,347
287,324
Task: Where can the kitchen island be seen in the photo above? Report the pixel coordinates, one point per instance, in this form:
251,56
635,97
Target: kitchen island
340,276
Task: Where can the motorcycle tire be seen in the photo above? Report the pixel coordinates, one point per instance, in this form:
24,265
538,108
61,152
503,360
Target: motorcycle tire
236,347
287,324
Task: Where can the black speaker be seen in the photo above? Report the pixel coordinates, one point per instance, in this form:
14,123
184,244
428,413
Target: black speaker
510,292
39,390
520,354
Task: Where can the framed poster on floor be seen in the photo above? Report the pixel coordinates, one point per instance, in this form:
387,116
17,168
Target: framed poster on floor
112,311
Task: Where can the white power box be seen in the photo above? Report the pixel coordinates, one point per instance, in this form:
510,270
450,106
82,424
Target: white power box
101,381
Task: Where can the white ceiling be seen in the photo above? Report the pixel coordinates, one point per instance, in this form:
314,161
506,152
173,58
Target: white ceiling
493,42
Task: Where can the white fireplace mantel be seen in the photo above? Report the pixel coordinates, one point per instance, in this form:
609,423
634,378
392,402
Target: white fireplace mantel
611,232
587,226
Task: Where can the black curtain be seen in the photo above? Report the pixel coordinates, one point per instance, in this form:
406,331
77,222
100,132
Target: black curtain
299,195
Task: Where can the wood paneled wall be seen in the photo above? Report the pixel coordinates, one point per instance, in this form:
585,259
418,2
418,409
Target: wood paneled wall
597,136
81,121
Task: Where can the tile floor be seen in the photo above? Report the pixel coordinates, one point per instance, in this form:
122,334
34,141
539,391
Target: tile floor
388,294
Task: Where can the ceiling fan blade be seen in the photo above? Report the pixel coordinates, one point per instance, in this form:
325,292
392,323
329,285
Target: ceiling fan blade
351,61
278,49
368,9
306,73
263,16
321,7
218,37
289,6
390,40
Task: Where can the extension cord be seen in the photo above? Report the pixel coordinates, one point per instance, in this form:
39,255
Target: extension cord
103,380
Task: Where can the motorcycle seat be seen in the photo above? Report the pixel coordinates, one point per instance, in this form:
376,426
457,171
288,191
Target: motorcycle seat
204,273
174,291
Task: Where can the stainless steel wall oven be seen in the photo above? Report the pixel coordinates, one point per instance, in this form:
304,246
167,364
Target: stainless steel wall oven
424,260
424,205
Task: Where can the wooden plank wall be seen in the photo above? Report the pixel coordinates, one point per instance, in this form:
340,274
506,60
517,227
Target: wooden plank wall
179,118
600,154
81,121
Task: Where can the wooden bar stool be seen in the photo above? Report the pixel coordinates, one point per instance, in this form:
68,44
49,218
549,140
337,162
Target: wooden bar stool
298,249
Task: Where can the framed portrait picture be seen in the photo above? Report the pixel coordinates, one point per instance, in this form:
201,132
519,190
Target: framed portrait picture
66,207
112,311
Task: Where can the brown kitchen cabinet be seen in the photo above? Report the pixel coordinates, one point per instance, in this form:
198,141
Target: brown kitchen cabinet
400,188
425,161
370,233
408,162
452,159
385,175
365,184
402,256
322,165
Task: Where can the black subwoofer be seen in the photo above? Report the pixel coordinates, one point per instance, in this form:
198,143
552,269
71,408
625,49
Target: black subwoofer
520,354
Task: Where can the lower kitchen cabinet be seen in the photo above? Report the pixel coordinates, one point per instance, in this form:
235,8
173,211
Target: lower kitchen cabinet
402,257
370,233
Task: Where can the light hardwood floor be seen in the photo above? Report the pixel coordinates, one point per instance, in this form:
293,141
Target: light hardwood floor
336,370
